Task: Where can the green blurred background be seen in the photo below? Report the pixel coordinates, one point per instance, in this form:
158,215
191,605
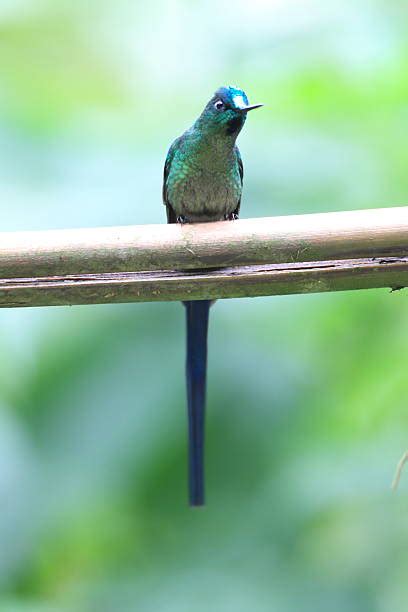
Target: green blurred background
307,408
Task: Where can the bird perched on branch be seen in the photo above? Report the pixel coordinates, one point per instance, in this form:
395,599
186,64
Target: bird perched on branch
203,177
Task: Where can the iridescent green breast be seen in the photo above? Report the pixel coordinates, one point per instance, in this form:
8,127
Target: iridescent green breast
203,181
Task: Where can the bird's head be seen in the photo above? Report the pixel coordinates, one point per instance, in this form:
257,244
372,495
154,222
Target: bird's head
227,110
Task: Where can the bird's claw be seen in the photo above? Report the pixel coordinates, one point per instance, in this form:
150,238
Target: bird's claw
231,216
182,219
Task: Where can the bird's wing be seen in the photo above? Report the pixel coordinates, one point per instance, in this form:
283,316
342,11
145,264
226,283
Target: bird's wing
171,215
241,174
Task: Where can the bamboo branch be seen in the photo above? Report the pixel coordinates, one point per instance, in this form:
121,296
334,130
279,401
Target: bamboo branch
242,281
272,256
379,232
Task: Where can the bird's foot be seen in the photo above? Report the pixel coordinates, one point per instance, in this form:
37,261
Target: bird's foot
231,216
182,219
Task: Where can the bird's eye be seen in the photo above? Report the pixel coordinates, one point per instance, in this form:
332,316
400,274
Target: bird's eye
219,104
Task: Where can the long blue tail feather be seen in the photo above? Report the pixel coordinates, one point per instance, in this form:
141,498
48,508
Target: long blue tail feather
197,313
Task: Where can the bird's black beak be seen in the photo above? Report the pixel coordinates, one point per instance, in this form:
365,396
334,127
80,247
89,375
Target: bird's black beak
250,107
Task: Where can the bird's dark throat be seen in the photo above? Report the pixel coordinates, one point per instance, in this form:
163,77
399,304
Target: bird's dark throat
235,125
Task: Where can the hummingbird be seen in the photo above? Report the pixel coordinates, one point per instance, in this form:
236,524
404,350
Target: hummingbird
203,176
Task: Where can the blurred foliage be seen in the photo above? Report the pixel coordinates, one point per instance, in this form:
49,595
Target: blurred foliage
307,394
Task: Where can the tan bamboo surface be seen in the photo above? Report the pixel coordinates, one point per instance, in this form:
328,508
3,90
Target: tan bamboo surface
268,256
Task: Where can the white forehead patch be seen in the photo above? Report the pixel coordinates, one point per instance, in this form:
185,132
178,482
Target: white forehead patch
239,102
